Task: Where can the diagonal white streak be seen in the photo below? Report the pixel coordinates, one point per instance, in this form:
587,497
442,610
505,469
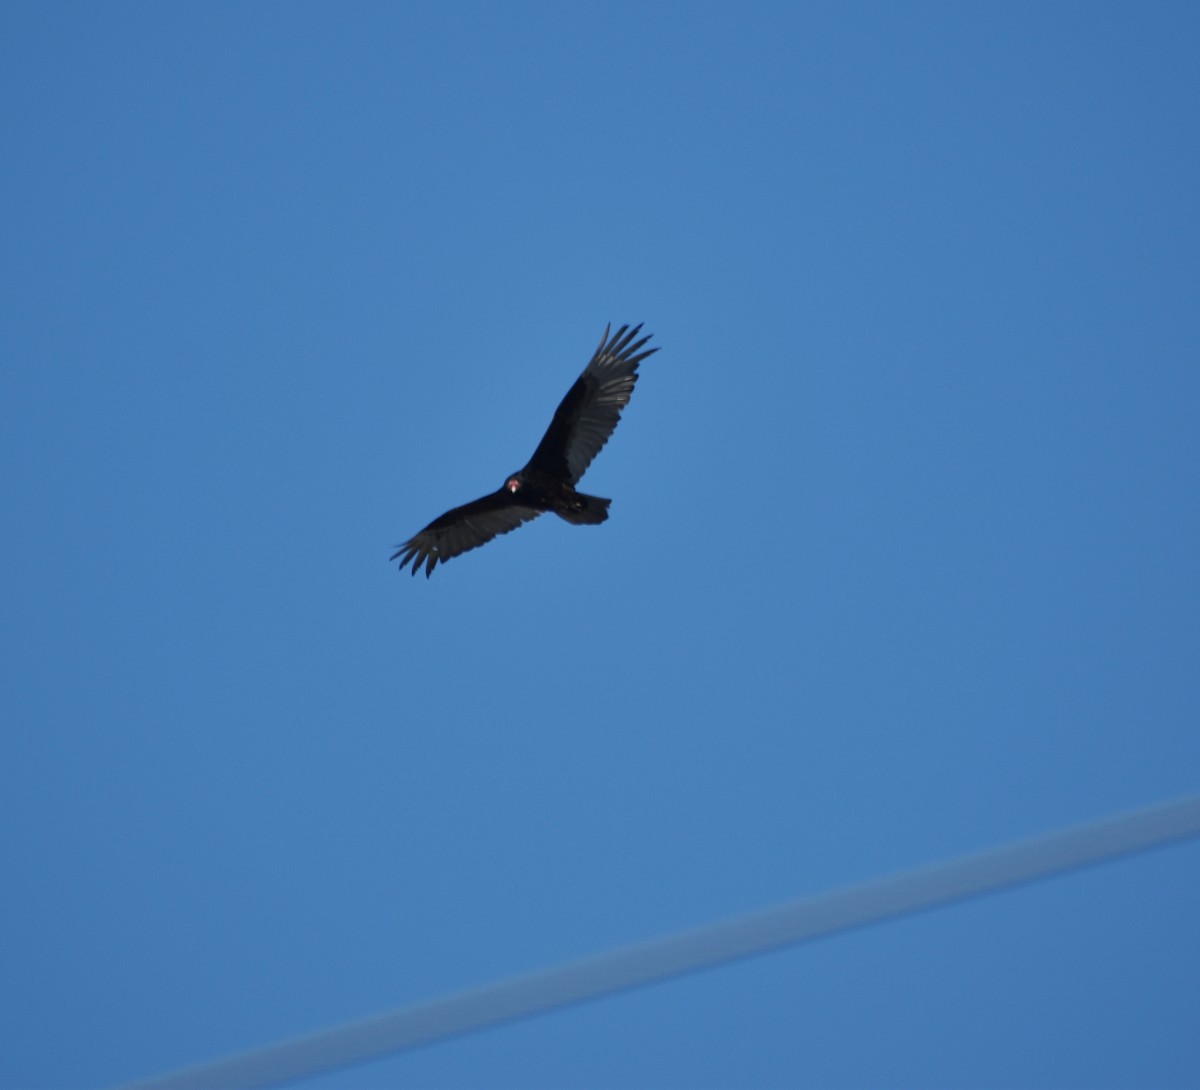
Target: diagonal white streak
689,951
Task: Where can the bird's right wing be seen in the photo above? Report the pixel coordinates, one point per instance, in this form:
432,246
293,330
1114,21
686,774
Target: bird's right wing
589,413
465,528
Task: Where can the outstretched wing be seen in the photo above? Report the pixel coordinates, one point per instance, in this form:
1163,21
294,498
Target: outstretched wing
462,529
590,411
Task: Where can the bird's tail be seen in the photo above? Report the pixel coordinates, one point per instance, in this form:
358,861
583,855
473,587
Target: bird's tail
583,509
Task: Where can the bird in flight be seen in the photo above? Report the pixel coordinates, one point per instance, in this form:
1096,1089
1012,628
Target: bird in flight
581,426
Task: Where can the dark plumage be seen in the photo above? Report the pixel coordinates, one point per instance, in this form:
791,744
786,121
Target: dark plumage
581,426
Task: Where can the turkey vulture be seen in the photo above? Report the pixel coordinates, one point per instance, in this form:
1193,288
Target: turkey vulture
580,428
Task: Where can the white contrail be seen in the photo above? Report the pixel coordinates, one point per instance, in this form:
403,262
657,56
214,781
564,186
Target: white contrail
689,951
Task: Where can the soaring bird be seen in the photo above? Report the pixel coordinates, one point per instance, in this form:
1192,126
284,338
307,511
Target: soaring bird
581,426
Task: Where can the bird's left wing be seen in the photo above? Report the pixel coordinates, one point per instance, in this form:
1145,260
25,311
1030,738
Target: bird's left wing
589,413
465,528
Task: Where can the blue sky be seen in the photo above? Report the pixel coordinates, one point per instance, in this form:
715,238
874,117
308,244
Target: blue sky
901,562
